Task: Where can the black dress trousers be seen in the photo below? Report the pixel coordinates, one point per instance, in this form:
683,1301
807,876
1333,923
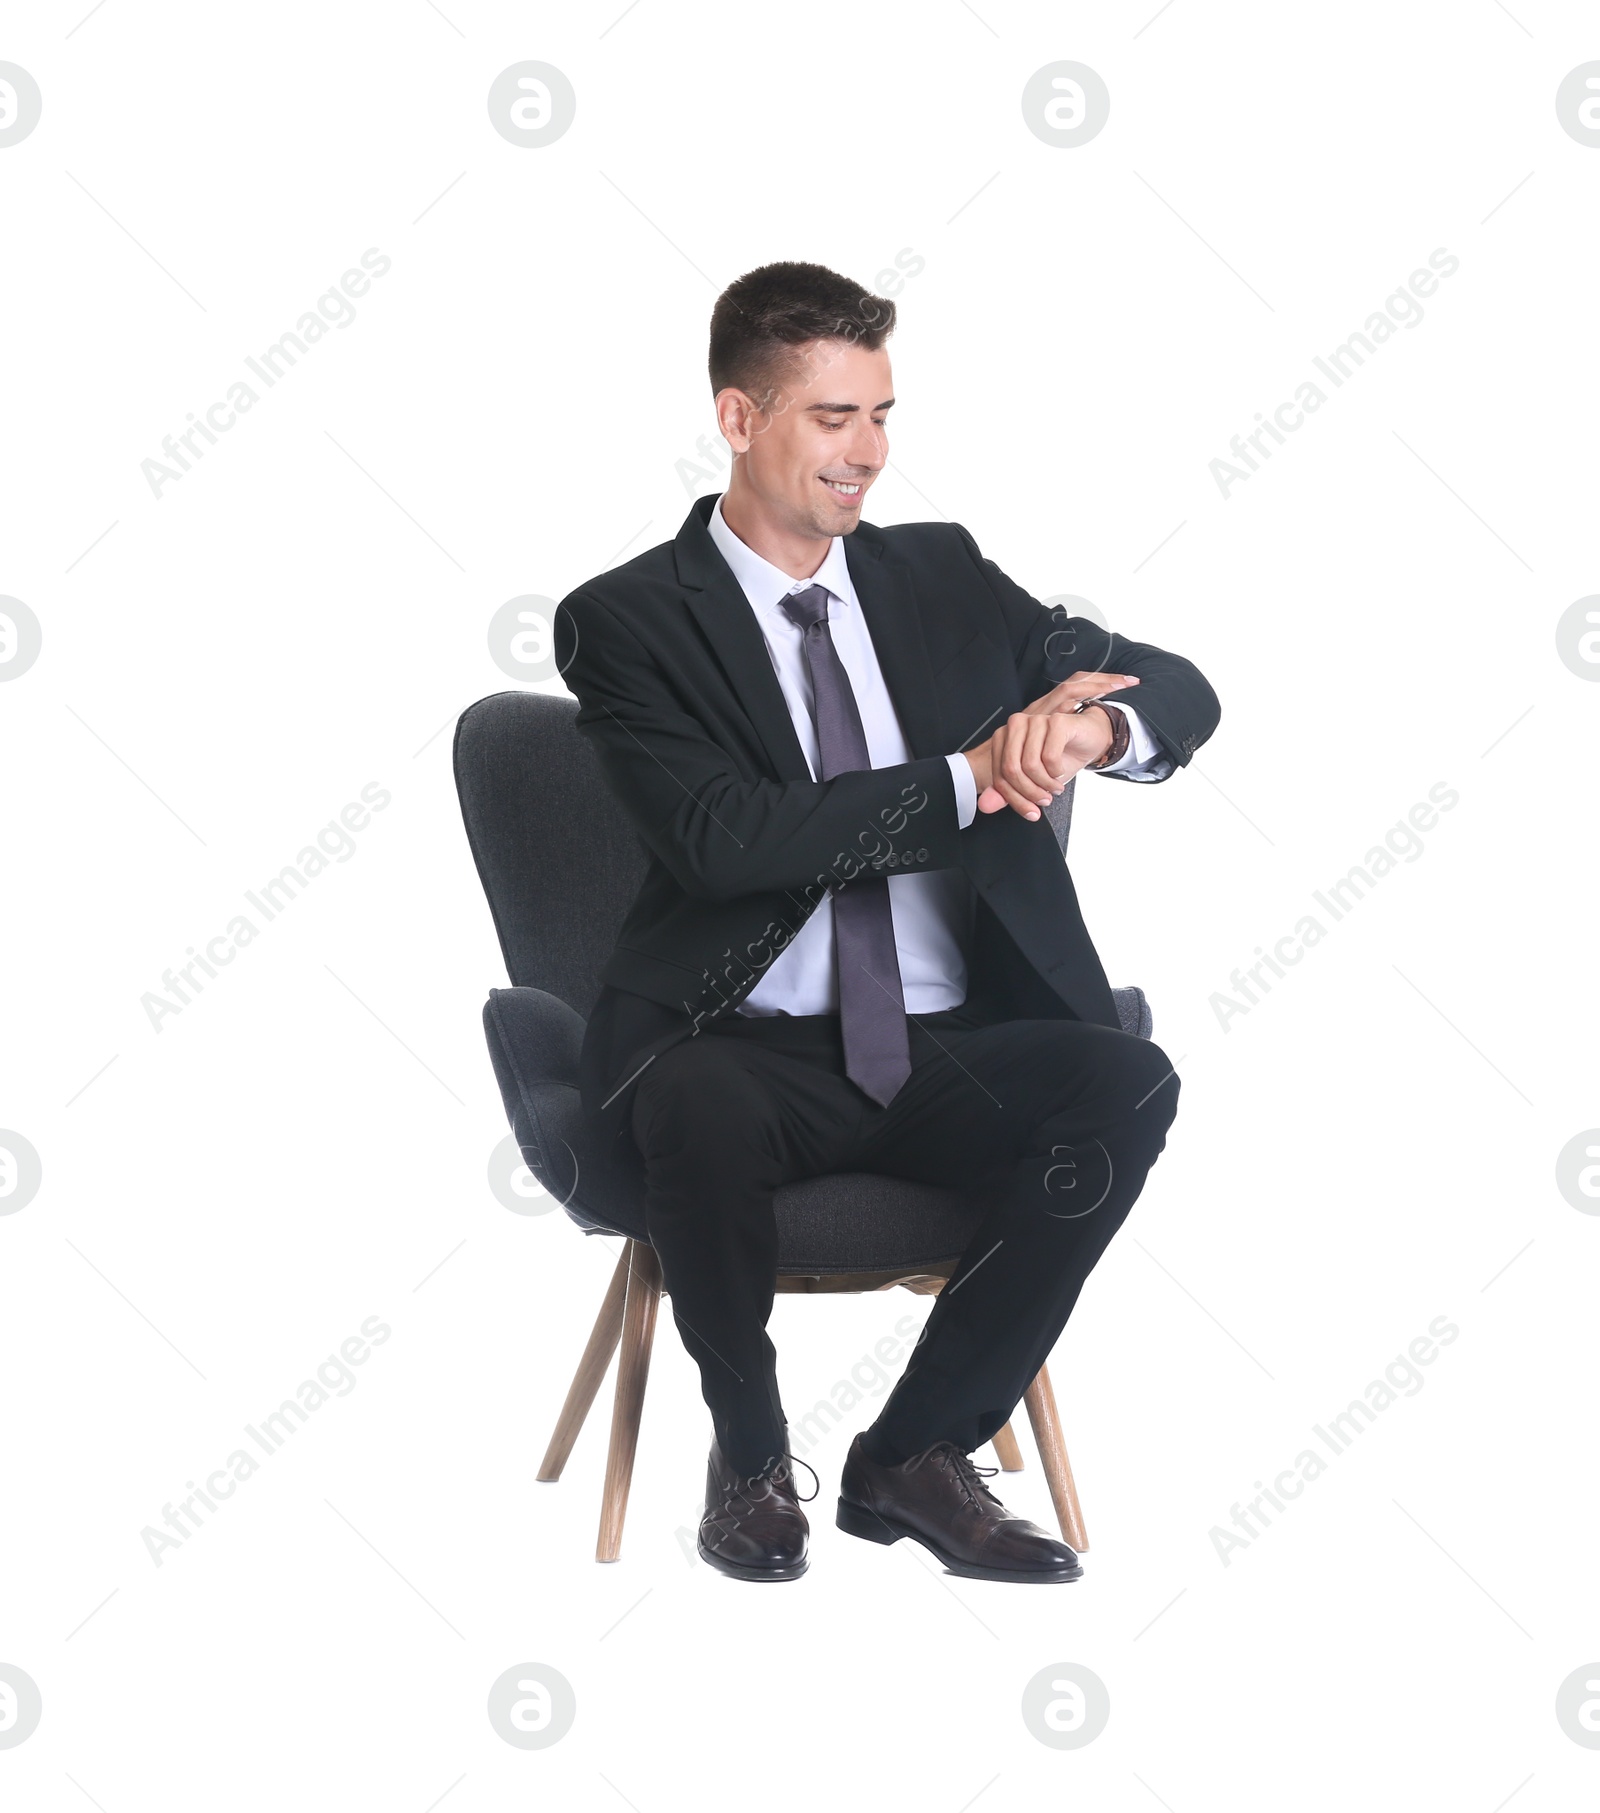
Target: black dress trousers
1050,1126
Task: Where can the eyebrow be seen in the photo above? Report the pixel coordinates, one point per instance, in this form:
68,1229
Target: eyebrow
844,408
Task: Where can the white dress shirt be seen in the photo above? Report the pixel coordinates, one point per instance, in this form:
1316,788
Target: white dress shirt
932,911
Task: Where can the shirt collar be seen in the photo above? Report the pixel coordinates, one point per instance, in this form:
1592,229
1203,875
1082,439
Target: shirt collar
763,584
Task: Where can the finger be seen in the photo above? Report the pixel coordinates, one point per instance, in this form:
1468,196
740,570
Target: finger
1032,754
1027,799
990,798
1012,768
1021,803
1061,732
1085,686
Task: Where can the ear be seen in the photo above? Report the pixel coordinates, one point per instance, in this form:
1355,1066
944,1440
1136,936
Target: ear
737,417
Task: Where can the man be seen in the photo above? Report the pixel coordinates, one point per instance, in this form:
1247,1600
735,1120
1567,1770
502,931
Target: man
856,947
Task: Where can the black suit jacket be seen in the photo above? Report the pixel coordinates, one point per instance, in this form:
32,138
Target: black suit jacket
679,698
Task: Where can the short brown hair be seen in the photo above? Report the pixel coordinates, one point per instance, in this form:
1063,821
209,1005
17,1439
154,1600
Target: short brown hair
763,314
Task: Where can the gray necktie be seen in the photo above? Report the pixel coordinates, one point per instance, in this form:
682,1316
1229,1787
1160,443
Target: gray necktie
872,1004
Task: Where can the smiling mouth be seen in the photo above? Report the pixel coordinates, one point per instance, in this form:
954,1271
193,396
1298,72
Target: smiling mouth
841,489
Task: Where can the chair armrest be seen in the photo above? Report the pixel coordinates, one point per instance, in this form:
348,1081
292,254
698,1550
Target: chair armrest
1133,1010
539,1035
534,1044
534,1041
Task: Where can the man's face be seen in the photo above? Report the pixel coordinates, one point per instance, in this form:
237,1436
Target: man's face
811,456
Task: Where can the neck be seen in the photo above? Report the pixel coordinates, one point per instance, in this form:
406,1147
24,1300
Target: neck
790,550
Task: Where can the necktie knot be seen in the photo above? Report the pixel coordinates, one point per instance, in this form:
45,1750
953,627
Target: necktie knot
807,609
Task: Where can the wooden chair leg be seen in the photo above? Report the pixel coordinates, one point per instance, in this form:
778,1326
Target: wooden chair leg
633,1370
591,1370
1006,1450
1042,1413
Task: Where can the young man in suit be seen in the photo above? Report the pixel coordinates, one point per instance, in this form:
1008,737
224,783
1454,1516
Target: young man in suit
856,947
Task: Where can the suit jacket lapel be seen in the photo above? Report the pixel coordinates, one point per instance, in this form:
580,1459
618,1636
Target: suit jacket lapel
883,586
730,626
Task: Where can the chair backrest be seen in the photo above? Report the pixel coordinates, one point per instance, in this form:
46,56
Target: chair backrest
556,854
557,857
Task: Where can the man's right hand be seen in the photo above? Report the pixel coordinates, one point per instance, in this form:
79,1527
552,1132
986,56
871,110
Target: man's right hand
1033,755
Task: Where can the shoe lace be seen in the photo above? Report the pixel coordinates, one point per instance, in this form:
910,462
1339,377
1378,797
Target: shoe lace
758,1485
785,1469
966,1471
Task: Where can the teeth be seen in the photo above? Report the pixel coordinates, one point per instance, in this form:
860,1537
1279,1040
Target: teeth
837,485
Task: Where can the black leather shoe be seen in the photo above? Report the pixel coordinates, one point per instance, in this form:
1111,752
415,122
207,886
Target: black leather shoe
754,1529
939,1499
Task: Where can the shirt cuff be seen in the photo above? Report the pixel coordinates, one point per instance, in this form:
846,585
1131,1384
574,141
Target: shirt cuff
966,789
1144,758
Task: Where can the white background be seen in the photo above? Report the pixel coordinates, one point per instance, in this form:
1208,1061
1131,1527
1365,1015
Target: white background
1370,1147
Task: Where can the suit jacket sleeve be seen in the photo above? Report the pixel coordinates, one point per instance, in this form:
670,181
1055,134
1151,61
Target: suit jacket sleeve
720,832
1173,697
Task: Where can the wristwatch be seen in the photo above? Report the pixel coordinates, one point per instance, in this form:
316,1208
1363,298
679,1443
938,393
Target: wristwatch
1120,734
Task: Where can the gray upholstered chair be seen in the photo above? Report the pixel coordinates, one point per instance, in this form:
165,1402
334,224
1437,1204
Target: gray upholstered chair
560,864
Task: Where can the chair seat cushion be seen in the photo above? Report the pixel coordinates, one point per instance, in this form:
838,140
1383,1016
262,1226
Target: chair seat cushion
847,1221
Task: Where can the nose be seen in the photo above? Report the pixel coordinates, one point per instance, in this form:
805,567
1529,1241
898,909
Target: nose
869,445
